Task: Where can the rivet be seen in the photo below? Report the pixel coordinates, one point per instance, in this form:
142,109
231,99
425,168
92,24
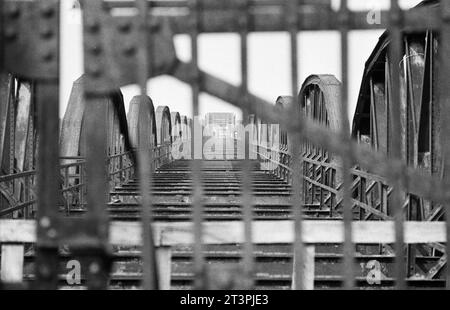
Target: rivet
14,11
94,268
44,271
47,32
446,17
47,11
344,18
95,49
10,34
155,25
52,233
93,26
125,26
47,56
129,50
45,222
396,18
95,71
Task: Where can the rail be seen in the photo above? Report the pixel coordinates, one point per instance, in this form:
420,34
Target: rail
19,189
322,185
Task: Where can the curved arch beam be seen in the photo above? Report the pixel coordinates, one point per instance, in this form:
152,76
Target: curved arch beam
184,128
72,130
330,87
253,121
284,101
163,125
190,128
142,121
175,119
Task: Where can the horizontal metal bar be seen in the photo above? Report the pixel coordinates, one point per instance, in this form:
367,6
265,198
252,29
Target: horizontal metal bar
323,186
71,188
17,208
120,155
116,172
72,158
77,164
265,232
273,18
209,4
12,177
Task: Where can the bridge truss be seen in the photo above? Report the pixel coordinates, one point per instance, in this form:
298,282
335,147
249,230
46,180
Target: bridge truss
396,182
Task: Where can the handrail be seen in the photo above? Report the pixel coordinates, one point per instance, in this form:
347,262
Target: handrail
72,183
11,177
121,169
321,178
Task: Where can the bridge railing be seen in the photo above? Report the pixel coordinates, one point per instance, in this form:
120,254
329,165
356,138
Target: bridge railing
162,155
17,197
371,194
273,160
18,190
120,168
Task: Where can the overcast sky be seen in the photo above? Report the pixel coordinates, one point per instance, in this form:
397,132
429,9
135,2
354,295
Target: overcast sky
269,56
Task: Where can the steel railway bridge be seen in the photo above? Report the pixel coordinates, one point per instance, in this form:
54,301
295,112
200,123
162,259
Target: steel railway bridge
293,202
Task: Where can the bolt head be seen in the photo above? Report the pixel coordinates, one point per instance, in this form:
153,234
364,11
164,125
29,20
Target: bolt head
47,32
10,34
130,50
47,56
52,233
93,26
94,71
45,222
125,26
44,271
47,11
95,49
94,268
13,10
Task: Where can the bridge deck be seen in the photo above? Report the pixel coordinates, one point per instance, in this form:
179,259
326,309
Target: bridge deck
222,185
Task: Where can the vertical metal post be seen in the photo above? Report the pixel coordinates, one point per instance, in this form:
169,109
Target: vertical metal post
199,261
66,194
150,280
95,258
348,266
47,94
12,133
27,196
47,183
444,102
395,53
97,191
295,149
82,182
247,204
121,168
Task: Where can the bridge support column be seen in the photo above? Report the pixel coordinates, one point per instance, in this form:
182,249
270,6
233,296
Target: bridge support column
308,270
164,260
12,264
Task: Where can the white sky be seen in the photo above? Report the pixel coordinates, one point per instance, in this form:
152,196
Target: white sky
269,61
